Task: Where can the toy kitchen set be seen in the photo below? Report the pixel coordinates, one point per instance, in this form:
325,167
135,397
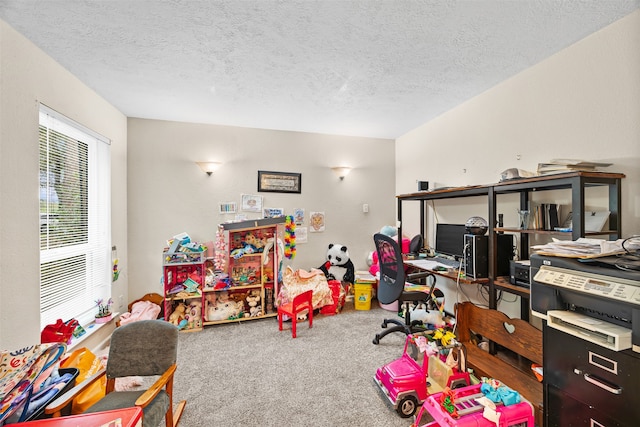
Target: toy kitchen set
591,339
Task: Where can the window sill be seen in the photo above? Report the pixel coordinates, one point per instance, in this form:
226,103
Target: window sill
91,329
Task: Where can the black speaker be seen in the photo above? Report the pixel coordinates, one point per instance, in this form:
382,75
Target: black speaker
505,254
423,185
476,260
476,257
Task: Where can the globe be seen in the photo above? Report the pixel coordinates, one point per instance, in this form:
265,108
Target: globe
476,225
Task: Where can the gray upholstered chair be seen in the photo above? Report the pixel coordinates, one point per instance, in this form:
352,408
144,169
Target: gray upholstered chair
144,348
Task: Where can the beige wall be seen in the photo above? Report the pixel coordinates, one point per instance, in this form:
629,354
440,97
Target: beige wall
27,77
583,102
169,194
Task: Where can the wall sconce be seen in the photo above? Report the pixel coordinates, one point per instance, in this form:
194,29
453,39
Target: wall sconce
341,171
208,167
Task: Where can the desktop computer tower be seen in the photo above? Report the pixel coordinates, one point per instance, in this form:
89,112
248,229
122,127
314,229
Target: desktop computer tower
476,256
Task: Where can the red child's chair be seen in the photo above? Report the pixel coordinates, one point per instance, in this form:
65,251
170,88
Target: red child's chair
300,303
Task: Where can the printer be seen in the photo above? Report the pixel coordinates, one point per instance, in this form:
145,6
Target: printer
593,288
591,339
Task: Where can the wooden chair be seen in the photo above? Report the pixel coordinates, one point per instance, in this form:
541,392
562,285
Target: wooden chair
143,348
300,303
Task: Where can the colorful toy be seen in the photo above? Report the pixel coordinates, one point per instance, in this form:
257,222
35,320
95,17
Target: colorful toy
219,260
194,315
250,240
224,310
209,301
338,261
178,314
404,380
427,317
253,301
240,252
209,278
191,286
289,237
468,407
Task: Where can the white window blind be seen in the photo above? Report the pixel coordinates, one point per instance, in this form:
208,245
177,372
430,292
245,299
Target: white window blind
75,219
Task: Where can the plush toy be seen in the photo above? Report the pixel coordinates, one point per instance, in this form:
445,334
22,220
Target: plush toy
223,310
428,317
209,279
338,261
223,296
179,313
194,315
253,300
254,242
239,253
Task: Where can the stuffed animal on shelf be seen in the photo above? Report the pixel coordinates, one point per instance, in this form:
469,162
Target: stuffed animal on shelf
254,242
210,299
338,264
253,300
209,279
194,315
224,310
178,314
239,253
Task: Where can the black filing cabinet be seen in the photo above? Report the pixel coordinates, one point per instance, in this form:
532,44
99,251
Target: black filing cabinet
589,385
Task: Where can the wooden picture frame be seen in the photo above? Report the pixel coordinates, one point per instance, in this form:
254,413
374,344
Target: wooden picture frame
279,182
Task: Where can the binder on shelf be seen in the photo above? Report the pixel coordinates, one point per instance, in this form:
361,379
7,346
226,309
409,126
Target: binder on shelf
552,211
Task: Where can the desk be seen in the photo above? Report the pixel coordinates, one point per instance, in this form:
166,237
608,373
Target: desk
129,417
419,265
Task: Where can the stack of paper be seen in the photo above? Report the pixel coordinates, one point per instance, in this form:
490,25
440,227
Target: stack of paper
569,165
364,277
581,248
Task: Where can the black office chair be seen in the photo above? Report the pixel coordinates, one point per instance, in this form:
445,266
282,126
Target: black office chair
416,244
391,287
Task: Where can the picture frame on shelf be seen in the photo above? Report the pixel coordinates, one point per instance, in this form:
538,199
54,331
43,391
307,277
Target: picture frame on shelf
279,182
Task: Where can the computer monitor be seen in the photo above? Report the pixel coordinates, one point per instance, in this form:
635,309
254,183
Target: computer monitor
450,239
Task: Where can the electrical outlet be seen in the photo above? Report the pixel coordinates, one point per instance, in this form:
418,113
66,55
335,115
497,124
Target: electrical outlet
121,301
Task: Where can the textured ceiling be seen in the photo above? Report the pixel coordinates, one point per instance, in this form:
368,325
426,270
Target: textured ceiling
375,68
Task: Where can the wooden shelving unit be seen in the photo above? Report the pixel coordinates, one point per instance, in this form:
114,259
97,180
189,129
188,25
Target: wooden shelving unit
575,182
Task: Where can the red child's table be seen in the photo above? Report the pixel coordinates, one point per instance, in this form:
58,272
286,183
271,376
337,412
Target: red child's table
129,417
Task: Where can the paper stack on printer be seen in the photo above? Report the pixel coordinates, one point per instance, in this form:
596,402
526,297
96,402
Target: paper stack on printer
582,248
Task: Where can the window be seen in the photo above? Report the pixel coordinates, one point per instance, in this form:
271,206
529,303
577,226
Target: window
75,220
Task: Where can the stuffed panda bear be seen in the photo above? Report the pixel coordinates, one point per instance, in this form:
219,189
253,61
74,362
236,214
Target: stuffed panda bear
338,261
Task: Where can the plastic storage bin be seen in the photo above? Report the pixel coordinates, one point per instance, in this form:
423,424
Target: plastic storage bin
362,296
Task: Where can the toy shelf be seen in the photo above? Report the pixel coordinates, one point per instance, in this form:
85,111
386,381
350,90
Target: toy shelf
250,276
183,283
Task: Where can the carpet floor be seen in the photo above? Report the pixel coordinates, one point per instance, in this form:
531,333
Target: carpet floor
250,374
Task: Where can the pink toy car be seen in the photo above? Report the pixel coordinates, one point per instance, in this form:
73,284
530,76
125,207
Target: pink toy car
470,413
404,380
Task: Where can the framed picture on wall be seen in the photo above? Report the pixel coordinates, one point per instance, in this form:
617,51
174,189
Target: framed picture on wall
272,212
251,203
279,182
228,207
